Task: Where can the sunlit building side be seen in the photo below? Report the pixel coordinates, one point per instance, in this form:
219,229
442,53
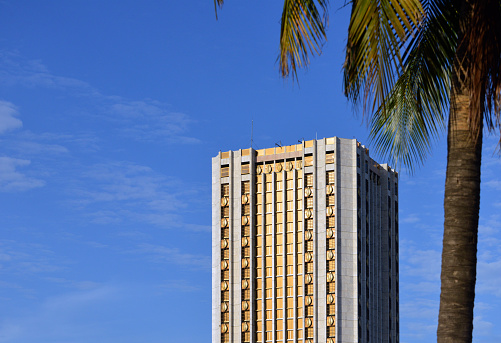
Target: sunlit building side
305,245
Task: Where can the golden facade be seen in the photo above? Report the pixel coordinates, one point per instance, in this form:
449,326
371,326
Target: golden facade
276,220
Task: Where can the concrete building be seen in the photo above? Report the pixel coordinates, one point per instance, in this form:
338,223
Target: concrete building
305,245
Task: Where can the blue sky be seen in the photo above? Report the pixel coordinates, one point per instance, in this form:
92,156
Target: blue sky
110,112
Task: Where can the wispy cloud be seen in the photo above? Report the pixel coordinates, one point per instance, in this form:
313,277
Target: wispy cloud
179,286
58,318
74,285
489,256
489,277
11,179
27,258
144,119
422,308
123,183
151,120
9,117
418,319
118,192
420,263
481,325
46,145
15,69
484,320
97,312
163,254
410,219
120,181
489,227
493,185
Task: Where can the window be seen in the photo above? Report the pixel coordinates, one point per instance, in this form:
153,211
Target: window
308,160
225,190
331,177
225,170
309,180
245,168
329,157
245,187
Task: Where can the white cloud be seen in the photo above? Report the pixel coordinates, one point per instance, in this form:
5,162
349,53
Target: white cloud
17,70
100,312
8,117
481,326
150,120
410,219
13,180
162,254
420,308
489,227
144,120
75,285
492,184
27,258
423,286
418,319
422,264
179,286
58,318
27,147
120,192
48,146
198,228
489,277
121,181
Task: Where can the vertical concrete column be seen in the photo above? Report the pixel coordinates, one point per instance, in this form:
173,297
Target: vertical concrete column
284,255
273,258
363,297
263,240
252,243
216,249
303,203
346,154
294,299
236,246
320,242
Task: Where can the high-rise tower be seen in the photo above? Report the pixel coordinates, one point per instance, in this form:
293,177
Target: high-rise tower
305,245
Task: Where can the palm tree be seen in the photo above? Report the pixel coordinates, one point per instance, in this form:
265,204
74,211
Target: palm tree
418,67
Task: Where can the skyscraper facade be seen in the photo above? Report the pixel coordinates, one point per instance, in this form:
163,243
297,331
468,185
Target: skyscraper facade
305,245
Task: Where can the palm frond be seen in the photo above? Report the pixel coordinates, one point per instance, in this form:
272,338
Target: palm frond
378,29
302,33
218,3
416,109
482,46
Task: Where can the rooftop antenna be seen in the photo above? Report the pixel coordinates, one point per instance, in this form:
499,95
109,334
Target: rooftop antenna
252,132
279,144
300,140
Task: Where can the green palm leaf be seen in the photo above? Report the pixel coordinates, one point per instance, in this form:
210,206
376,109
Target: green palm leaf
302,33
416,109
377,32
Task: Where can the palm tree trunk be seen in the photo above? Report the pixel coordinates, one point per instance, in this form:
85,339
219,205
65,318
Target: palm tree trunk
461,208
